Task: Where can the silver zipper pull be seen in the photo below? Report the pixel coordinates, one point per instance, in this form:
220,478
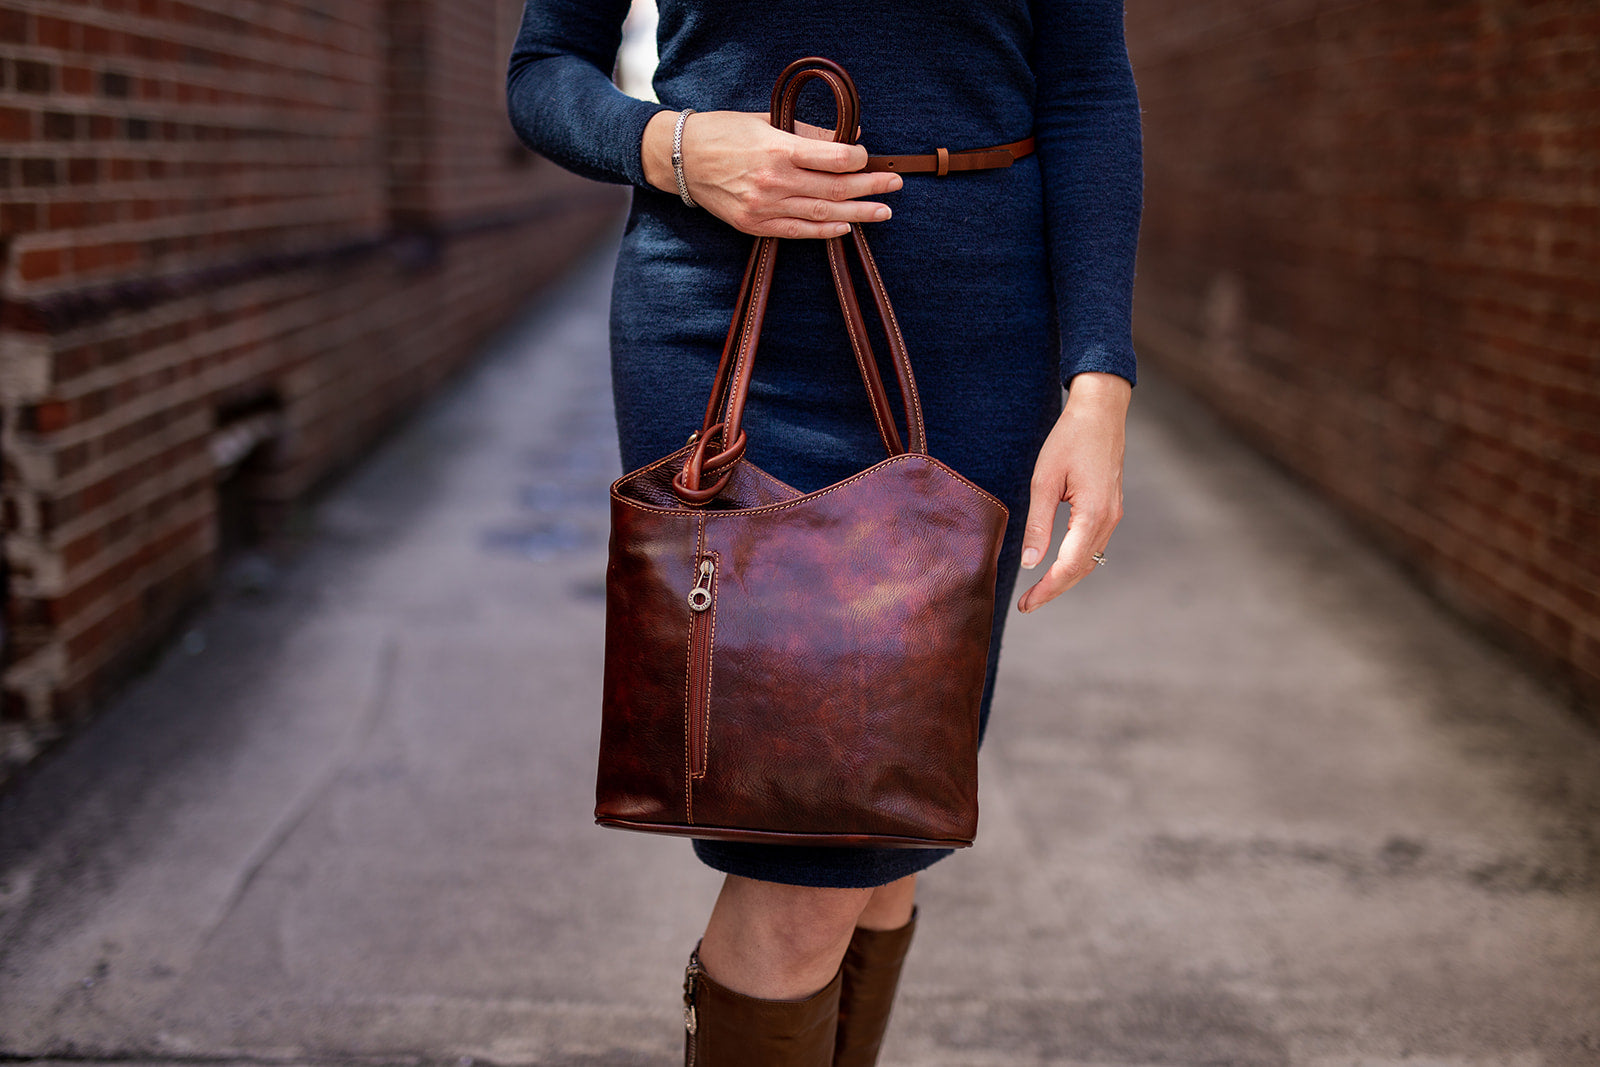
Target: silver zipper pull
700,595
691,1022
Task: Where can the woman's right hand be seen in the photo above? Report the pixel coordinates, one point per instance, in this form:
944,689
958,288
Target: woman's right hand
763,181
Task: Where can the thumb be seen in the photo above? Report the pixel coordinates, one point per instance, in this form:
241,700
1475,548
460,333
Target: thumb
1043,501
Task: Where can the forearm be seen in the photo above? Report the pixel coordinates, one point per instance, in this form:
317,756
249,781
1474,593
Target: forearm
1091,157
559,95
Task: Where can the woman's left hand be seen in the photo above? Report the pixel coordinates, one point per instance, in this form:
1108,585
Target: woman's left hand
1080,463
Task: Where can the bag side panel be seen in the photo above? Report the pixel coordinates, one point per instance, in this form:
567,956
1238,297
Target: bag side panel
642,772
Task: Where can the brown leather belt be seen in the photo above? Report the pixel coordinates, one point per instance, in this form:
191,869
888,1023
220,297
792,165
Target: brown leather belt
942,161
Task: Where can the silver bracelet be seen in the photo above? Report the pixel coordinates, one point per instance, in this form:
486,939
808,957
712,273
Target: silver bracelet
677,156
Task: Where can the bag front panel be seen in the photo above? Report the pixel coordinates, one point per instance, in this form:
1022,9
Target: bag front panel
851,639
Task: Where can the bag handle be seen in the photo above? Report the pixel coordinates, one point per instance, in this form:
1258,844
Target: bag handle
706,473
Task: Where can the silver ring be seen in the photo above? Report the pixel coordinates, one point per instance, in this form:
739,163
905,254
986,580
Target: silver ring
1099,559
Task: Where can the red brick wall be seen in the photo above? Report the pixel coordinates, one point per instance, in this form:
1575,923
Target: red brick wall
1370,241
210,210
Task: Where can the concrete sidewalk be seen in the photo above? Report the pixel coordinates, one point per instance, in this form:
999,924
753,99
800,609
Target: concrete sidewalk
1248,798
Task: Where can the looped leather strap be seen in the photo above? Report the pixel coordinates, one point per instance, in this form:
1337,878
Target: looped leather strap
732,384
942,161
686,483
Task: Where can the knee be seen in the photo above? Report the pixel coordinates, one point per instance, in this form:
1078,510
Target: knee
811,923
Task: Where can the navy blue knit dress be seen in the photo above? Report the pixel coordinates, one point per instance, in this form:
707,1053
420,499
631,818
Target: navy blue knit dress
1006,282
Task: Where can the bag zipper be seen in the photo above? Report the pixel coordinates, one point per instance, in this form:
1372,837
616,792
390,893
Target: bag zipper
702,599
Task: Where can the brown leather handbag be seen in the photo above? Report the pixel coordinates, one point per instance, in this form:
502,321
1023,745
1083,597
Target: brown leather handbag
800,668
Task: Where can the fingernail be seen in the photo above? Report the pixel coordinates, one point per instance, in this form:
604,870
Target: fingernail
896,182
882,213
1030,558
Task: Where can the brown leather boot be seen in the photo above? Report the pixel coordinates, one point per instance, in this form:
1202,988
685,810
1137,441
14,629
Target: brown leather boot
728,1029
871,972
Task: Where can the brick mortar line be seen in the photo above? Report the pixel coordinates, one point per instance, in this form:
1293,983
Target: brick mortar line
289,131
174,396
93,612
194,428
154,188
189,151
1271,338
170,478
1162,336
35,314
139,67
37,671
235,301
188,34
320,1059
106,653
193,112
1222,33
290,212
49,667
1466,546
52,581
299,311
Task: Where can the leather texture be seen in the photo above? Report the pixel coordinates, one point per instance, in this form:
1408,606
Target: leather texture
723,1028
791,667
942,161
871,966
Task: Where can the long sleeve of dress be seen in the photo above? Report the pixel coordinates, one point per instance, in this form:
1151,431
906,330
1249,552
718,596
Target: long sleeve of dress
1091,158
559,94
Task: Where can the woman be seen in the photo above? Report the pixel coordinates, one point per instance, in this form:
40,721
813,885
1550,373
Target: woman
1009,282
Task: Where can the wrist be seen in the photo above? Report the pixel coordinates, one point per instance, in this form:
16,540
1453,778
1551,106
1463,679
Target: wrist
1100,388
655,152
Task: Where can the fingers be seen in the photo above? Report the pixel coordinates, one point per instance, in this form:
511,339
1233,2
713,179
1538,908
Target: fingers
1096,510
771,183
799,207
791,201
795,228
1080,462
1088,531
803,216
1044,498
826,186
830,199
814,154
800,217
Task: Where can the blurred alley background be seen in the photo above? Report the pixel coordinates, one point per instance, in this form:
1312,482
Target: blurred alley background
304,440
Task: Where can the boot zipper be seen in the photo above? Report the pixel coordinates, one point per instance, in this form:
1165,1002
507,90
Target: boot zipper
691,1023
701,600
